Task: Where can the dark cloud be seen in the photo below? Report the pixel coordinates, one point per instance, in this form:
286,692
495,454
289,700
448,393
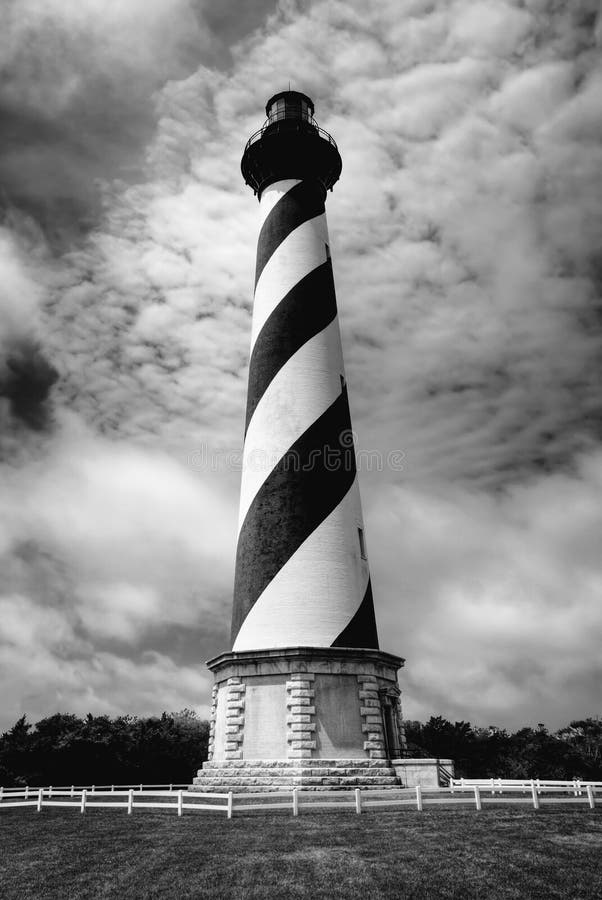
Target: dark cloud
51,169
77,94
75,108
231,20
26,383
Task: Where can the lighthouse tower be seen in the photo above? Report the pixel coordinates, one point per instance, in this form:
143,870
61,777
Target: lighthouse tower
305,696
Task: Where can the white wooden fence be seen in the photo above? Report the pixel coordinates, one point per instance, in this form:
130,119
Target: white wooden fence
475,792
96,787
524,784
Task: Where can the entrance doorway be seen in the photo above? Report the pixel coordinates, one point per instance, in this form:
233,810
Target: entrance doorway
390,728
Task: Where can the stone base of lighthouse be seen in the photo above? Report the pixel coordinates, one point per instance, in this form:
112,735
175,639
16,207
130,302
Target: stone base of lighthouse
320,718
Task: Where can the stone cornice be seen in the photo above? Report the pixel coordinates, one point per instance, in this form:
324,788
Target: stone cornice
285,660
295,653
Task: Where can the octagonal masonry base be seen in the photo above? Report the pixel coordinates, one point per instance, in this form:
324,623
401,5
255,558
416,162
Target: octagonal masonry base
320,718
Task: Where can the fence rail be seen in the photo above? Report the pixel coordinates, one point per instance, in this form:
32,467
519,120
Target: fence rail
498,785
477,792
94,788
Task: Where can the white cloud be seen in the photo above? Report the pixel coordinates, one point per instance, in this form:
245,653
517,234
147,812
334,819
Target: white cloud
20,294
489,28
493,600
73,43
106,550
46,668
533,96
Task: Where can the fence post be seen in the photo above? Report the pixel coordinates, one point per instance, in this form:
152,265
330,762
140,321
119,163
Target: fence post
40,795
93,788
26,791
229,804
171,787
477,797
112,788
358,801
141,788
72,790
179,803
418,798
83,803
295,802
1,791
49,791
590,796
534,795
492,790
130,801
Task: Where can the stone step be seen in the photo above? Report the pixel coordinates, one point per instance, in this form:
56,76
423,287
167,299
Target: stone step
308,779
234,782
252,788
300,779
257,775
349,763
302,771
237,779
350,779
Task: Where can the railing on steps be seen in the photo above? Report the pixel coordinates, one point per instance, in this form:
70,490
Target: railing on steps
444,776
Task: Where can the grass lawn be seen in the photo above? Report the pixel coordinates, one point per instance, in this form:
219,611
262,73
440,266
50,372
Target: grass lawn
497,853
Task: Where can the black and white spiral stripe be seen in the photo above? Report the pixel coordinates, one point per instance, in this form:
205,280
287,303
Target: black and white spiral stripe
301,578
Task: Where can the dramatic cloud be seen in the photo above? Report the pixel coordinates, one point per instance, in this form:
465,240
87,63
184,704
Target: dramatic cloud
64,674
502,591
77,92
26,376
466,233
112,558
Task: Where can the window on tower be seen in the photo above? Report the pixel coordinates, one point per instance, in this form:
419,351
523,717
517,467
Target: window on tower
277,110
360,534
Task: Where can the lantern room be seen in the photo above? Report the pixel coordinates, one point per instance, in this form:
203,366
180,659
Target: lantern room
289,105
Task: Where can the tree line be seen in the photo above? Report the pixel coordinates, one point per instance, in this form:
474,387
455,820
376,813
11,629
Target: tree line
65,749
574,751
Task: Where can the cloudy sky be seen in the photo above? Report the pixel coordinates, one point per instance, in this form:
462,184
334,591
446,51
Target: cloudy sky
466,233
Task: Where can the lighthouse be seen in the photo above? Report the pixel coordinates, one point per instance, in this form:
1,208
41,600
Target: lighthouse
305,696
